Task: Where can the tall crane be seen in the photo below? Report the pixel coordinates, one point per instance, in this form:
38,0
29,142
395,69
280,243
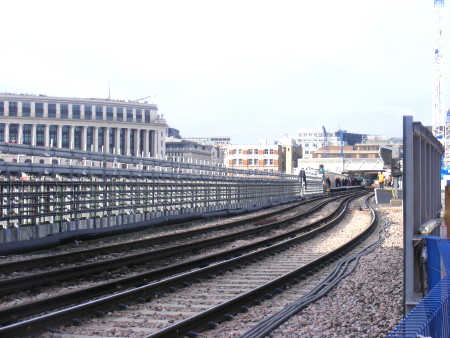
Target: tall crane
325,142
439,116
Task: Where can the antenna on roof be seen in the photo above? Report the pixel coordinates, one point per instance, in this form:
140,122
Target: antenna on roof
109,91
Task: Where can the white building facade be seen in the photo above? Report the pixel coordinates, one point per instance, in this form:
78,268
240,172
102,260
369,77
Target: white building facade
311,139
97,125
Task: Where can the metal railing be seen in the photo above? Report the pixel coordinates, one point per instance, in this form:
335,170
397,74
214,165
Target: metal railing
430,318
37,200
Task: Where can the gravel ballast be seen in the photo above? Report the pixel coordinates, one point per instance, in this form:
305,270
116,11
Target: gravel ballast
369,302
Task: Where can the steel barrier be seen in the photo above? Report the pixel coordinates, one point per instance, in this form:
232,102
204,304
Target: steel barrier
431,317
422,203
65,198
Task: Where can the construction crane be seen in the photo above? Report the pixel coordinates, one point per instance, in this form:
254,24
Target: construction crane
141,99
439,118
325,142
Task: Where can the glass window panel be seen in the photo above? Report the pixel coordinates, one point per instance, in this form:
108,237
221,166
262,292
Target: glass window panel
13,109
65,137
26,134
26,109
129,115
88,112
40,131
64,111
99,113
76,112
51,110
138,115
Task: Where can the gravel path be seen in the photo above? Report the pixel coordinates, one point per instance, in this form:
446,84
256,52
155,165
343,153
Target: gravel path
368,303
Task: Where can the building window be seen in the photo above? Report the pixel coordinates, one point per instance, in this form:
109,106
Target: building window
122,141
241,161
2,132
271,162
101,139
112,137
141,141
53,134
64,111
255,151
250,161
266,162
76,112
13,132
40,131
266,151
65,137
132,138
129,115
119,114
90,138
13,109
147,116
26,109
2,108
271,151
109,114
250,151
138,115
98,113
51,110
26,134
88,112
77,138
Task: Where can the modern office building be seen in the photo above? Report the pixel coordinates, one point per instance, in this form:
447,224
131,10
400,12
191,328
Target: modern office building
311,139
98,125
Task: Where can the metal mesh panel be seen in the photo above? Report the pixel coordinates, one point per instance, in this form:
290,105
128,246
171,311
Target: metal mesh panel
430,318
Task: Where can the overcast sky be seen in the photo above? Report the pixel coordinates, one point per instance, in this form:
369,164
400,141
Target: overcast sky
246,69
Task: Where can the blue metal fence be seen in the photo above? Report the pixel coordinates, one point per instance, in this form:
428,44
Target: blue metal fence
431,317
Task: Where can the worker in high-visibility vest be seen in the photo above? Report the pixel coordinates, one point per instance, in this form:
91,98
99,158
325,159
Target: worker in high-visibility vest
381,180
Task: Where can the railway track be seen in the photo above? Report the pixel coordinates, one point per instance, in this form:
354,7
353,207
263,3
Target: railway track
62,273
149,291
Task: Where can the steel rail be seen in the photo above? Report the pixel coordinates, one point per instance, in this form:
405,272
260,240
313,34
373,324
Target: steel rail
10,315
140,294
208,319
20,283
82,254
344,268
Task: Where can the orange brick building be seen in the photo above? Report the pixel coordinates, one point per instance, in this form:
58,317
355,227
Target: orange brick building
255,157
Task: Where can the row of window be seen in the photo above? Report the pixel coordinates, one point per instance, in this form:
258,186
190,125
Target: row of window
252,161
251,151
76,143
315,135
89,112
